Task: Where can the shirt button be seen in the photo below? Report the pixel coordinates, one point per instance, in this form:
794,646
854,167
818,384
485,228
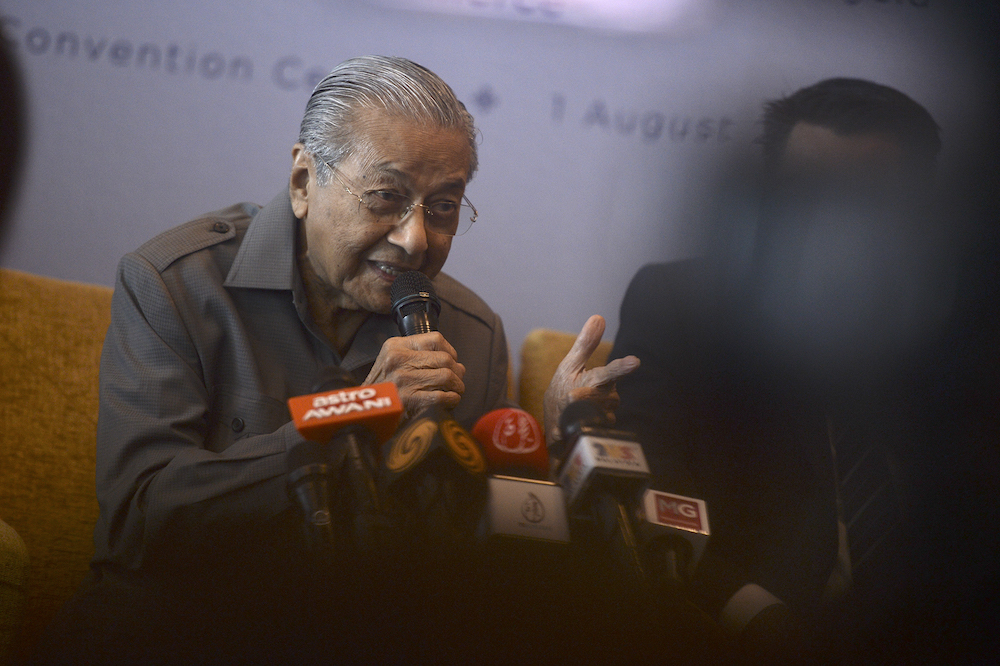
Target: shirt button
238,424
220,227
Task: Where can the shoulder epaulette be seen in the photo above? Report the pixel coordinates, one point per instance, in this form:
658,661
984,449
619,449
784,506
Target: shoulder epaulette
205,231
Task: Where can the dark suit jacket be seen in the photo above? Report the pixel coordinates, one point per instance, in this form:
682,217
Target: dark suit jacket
721,418
717,424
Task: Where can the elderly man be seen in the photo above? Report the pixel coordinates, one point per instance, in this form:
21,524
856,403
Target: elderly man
216,323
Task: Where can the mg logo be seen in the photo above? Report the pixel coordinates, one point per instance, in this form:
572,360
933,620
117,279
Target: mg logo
671,507
677,512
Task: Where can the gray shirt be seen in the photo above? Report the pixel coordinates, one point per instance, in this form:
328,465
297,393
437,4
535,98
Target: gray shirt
210,335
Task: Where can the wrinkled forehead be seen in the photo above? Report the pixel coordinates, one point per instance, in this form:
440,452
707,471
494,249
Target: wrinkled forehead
406,149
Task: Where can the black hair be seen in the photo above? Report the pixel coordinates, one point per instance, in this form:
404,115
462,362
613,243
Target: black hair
851,106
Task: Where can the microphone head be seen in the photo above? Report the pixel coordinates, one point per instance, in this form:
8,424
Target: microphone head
674,523
602,460
414,303
579,416
433,431
513,443
434,478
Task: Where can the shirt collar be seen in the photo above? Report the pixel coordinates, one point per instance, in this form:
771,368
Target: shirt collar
266,258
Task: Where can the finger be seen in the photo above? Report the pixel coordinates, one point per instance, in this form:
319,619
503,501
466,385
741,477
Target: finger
434,379
420,400
432,341
584,345
431,360
608,374
444,379
603,398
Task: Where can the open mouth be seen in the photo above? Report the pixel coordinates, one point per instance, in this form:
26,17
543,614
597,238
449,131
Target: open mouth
389,271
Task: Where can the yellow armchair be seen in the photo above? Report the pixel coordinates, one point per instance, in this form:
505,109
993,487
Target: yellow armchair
51,333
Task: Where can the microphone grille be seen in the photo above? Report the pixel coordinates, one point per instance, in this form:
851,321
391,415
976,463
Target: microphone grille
409,284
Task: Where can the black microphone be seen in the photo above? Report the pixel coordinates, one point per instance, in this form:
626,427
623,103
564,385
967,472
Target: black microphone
433,479
672,533
357,446
344,424
311,469
601,474
577,418
414,303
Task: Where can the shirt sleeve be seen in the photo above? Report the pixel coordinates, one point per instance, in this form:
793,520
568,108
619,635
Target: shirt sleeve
176,476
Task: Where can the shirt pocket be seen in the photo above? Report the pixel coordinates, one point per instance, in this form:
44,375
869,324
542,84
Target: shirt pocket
235,416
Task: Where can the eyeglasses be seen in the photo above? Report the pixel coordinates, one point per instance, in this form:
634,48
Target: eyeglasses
444,216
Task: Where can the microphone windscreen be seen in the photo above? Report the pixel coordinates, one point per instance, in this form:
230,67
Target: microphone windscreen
512,443
412,289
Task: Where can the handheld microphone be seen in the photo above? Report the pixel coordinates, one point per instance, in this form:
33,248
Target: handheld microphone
513,443
351,420
414,303
523,508
672,532
310,470
434,478
602,472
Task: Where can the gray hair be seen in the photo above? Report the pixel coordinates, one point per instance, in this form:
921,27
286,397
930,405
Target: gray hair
392,84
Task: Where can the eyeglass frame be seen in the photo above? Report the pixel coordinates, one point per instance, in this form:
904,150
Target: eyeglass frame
406,211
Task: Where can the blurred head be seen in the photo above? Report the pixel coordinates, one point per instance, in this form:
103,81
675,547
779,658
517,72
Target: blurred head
835,263
12,129
844,122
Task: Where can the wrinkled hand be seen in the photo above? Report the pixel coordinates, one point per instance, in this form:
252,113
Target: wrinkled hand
572,382
424,368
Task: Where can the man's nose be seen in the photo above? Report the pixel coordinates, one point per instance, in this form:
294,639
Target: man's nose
411,232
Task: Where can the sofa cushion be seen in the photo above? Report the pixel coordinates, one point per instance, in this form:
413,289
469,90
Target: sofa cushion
51,332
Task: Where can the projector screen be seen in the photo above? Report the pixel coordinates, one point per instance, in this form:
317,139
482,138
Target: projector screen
600,131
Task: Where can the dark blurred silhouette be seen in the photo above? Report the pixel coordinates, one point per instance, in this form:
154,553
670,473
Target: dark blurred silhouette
12,129
832,360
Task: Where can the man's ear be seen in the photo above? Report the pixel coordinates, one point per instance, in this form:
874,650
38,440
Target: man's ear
302,180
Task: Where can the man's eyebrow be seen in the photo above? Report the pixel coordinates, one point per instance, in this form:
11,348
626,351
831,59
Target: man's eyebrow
387,173
379,173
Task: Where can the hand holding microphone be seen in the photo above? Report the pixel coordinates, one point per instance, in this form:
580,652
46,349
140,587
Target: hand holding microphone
422,364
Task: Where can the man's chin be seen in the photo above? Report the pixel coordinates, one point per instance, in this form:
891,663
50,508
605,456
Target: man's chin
381,305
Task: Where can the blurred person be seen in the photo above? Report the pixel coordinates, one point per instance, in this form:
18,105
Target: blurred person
12,130
785,379
13,552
